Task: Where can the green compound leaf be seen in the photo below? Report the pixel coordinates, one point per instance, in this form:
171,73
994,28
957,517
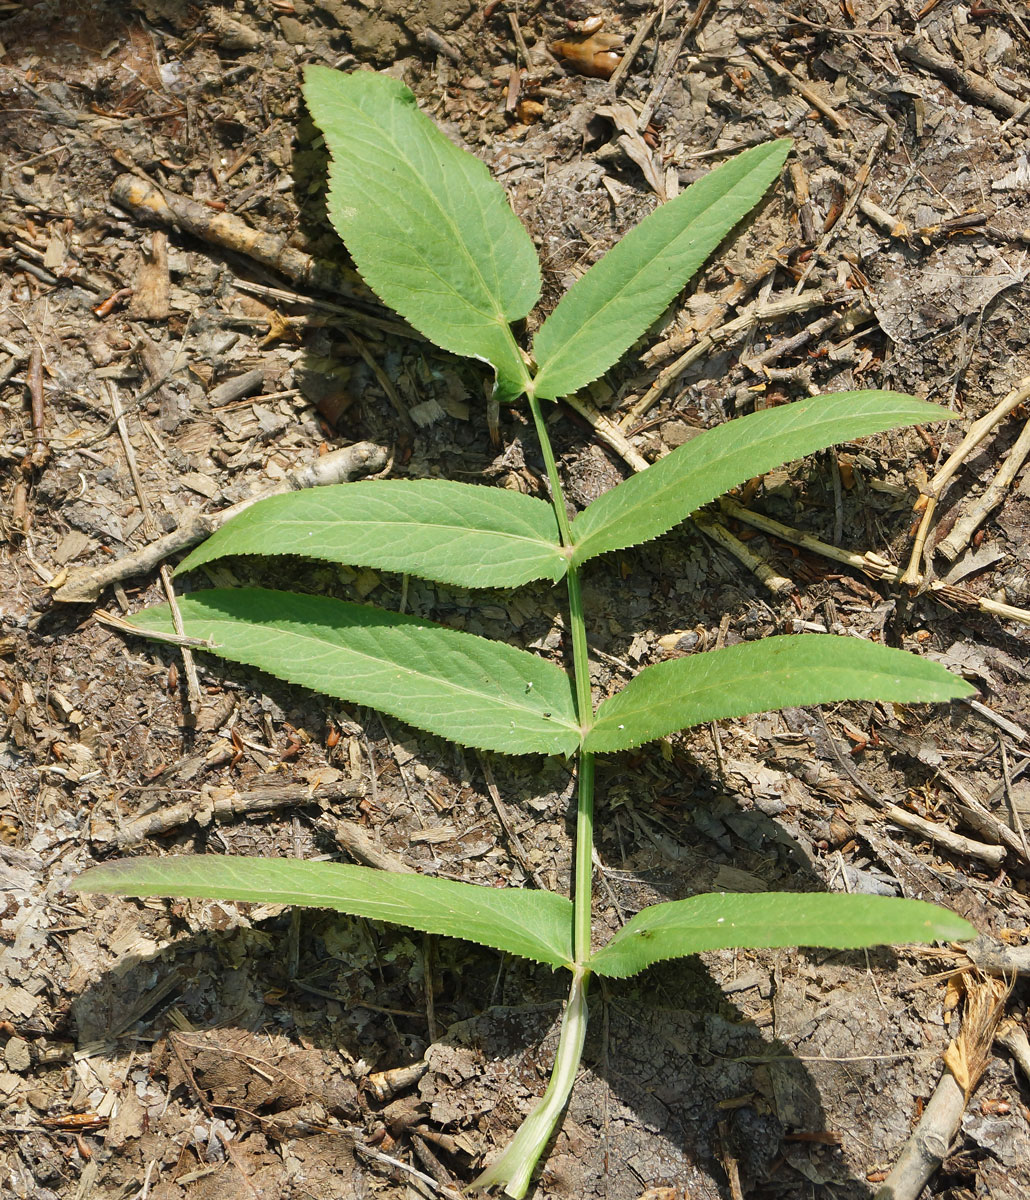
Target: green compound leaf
722,921
429,230
474,691
777,672
605,311
455,533
651,503
534,925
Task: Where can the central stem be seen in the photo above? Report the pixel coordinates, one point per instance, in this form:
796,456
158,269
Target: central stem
584,848
514,1169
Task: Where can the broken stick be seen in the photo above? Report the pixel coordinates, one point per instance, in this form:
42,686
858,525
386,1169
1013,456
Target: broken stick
146,199
933,491
870,563
964,1060
84,585
266,797
961,80
964,529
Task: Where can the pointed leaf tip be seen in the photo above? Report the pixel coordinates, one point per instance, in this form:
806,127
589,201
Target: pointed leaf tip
753,677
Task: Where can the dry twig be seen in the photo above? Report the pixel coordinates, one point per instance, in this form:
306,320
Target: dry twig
174,363
935,488
397,328
940,835
266,798
991,957
664,74
355,841
1017,820
755,313
961,79
395,1164
85,584
966,526
861,178
965,1060
979,817
778,584
506,823
642,30
113,621
1013,1038
680,340
879,216
37,400
802,89
189,663
130,457
870,563
385,382
520,41
608,432
144,198
854,316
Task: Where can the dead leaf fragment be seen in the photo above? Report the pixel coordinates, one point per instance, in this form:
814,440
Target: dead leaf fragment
590,54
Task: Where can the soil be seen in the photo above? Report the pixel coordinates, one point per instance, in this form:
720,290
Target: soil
192,1050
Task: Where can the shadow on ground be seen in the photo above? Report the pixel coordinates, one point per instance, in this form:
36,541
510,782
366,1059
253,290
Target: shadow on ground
680,1084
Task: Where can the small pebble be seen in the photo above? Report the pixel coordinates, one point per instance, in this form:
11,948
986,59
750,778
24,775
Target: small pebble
17,1054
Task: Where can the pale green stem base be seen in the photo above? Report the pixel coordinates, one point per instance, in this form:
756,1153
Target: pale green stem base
514,1169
